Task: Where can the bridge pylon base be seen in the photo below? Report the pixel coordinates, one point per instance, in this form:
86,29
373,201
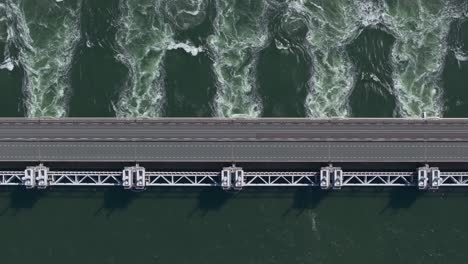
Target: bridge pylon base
134,178
232,178
331,177
36,176
429,178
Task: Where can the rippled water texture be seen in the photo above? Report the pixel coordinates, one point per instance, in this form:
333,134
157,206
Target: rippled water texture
45,35
233,58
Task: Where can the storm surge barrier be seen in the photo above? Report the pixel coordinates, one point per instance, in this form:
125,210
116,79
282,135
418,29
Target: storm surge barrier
234,178
336,145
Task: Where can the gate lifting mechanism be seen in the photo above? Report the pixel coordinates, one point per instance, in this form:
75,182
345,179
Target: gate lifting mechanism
134,177
429,177
234,178
331,177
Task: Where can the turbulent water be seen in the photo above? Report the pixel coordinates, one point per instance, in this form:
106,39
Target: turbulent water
240,34
6,62
420,30
45,34
142,51
146,33
41,38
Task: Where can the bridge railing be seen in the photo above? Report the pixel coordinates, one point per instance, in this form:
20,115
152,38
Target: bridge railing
383,178
454,179
279,178
11,177
182,178
85,178
234,178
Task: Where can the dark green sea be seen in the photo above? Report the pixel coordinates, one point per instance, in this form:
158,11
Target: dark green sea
233,58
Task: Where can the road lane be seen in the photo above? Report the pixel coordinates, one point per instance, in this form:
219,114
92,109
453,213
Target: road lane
243,140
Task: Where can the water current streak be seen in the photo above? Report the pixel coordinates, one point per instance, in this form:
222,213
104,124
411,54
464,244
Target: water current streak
45,34
331,26
142,38
5,61
420,29
240,33
146,32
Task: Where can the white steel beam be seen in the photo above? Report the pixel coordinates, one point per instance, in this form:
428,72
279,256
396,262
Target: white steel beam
280,178
453,179
244,178
378,178
179,178
85,178
11,177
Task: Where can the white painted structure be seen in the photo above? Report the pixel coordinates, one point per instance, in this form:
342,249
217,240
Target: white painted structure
234,178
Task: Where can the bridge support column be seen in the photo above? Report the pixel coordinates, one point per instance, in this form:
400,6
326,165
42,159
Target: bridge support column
36,176
325,178
140,183
239,179
428,178
42,178
331,177
337,178
29,179
422,177
134,177
226,179
435,178
127,178
232,178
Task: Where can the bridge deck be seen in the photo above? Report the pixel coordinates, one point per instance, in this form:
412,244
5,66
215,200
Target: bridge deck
234,140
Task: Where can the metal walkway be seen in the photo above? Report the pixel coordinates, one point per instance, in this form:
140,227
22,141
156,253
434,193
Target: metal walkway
232,178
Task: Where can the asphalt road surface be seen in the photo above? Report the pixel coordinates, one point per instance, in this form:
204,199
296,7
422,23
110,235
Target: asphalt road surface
234,140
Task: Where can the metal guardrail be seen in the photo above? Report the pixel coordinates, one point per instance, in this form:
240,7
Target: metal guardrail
136,177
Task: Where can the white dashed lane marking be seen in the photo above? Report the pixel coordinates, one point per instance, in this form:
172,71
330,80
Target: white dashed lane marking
242,151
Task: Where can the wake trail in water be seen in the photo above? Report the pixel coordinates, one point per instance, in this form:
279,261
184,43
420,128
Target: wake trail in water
142,38
418,55
5,62
45,33
420,29
331,26
146,33
240,33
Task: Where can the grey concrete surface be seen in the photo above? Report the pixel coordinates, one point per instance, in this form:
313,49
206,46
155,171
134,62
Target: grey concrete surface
234,140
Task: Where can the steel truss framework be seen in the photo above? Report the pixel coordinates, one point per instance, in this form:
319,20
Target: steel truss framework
233,178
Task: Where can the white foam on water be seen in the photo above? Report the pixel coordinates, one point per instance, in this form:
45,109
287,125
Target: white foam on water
420,29
187,47
418,55
185,14
331,26
3,23
240,33
146,33
280,45
460,55
7,64
314,223
143,37
45,44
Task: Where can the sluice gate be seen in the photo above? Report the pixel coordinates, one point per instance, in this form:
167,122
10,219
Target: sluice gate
234,178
